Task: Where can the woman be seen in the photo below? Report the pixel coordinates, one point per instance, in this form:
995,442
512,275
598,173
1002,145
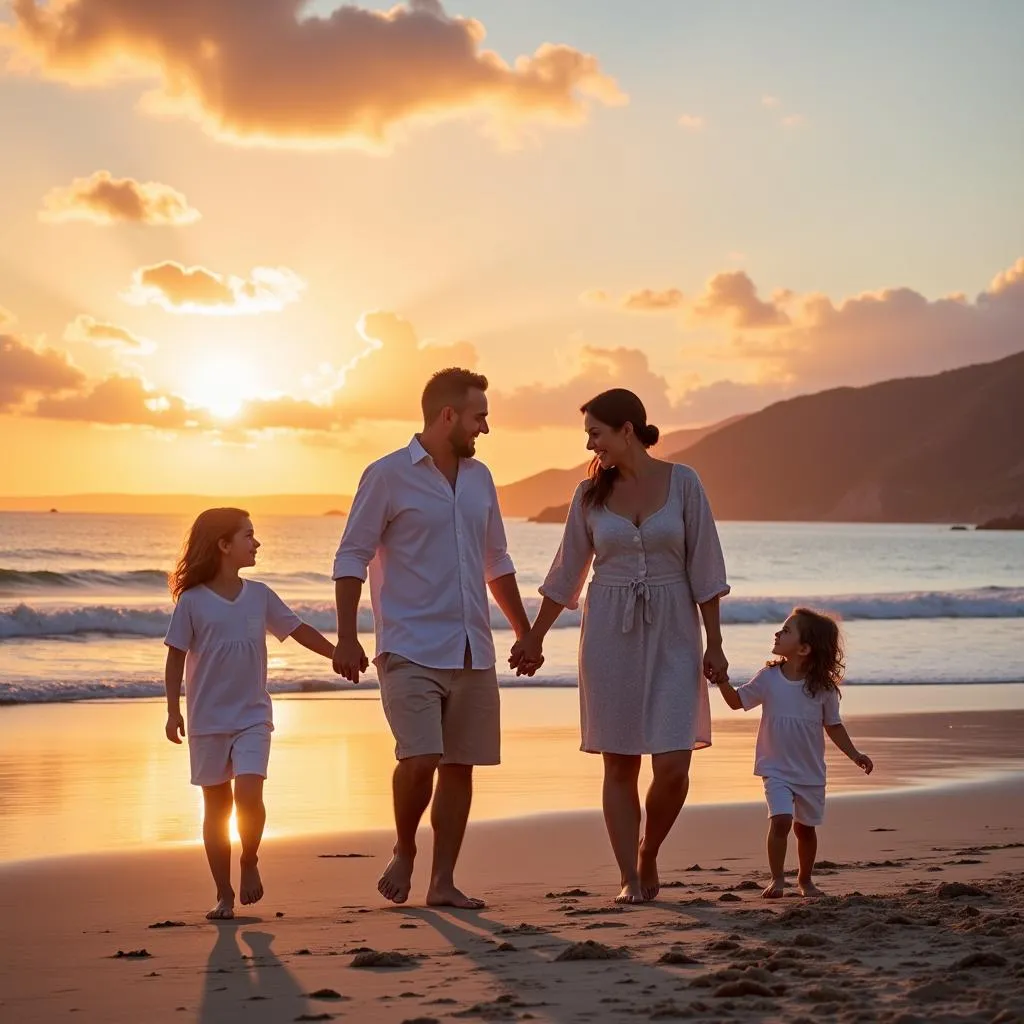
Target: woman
647,526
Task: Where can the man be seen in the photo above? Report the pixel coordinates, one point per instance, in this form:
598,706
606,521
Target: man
425,519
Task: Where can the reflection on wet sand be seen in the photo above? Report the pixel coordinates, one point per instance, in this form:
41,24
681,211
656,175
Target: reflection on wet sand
77,778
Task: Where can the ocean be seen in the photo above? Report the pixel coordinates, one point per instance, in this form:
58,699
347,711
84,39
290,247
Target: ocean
84,602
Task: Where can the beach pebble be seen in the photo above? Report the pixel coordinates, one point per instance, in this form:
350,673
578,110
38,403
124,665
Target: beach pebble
954,890
387,958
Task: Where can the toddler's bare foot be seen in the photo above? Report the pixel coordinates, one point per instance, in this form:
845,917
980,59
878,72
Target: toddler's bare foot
631,893
224,911
647,868
250,886
808,888
396,881
449,896
774,890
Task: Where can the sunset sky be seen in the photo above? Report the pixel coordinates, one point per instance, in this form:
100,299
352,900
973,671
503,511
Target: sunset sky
238,235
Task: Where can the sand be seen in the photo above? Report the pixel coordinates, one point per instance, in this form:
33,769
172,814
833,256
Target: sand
924,921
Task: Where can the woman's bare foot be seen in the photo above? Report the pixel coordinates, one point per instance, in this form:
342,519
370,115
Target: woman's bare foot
647,867
449,896
224,911
775,889
396,881
631,892
250,886
808,888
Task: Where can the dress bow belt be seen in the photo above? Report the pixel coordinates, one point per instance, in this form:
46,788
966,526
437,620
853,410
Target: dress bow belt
639,592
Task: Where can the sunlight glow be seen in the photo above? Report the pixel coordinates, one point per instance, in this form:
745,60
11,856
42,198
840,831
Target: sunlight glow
221,386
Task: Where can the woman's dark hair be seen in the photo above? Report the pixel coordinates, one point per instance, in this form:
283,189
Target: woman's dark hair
615,408
200,556
826,662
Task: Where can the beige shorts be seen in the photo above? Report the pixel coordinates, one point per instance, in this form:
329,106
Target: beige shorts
804,804
452,712
219,757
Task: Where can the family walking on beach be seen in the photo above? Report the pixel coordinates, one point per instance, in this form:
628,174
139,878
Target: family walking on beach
426,528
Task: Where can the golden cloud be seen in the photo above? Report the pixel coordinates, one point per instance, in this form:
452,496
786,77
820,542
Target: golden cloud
102,199
643,300
692,122
181,289
90,331
27,371
732,296
262,73
122,401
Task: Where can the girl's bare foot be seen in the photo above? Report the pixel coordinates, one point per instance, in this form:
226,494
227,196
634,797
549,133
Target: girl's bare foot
224,911
251,886
449,896
630,893
647,867
808,888
396,881
774,890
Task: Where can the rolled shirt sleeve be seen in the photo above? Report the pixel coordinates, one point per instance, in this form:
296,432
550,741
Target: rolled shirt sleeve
568,573
497,560
367,520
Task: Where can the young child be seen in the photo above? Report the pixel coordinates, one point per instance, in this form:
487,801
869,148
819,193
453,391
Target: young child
217,638
799,693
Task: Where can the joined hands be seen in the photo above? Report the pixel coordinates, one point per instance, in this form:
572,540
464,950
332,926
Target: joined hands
526,656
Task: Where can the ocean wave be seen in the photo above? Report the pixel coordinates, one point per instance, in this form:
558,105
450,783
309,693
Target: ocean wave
24,620
20,581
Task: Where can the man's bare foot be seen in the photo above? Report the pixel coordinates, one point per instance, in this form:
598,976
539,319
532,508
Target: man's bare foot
449,896
631,893
396,881
647,868
808,888
224,911
775,890
250,887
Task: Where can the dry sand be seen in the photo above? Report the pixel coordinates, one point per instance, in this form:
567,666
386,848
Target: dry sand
924,922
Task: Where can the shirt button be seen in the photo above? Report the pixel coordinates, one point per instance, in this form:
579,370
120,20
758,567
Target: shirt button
636,539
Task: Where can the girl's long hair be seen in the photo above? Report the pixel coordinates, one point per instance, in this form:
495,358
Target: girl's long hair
826,662
200,556
615,408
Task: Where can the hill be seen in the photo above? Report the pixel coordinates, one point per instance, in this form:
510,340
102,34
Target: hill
946,448
555,486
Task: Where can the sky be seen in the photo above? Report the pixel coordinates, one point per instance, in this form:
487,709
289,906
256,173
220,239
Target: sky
237,238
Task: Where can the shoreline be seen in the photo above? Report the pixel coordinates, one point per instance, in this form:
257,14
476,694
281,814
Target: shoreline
313,691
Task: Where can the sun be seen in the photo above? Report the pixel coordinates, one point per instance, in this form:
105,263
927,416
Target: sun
221,386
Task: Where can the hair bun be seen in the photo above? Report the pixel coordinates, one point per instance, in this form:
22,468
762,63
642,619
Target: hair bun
649,435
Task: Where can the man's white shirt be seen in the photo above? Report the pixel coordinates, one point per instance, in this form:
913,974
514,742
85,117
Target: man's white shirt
430,551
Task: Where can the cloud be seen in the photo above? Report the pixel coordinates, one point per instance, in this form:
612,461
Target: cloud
643,300
692,122
894,332
7,318
732,296
264,73
89,331
102,199
181,289
386,380
543,405
793,121
122,401
27,371
771,102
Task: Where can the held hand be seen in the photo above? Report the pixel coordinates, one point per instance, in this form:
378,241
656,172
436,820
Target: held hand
175,727
864,762
716,666
526,655
349,659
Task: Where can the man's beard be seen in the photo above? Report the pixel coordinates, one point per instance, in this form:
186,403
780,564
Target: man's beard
463,444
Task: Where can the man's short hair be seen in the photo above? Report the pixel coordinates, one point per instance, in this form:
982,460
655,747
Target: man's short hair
449,388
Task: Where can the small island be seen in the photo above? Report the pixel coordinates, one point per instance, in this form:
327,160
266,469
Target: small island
335,512
552,514
1014,522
